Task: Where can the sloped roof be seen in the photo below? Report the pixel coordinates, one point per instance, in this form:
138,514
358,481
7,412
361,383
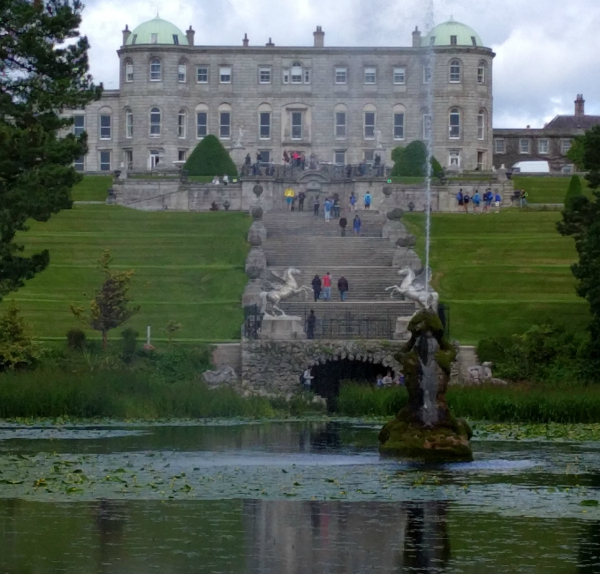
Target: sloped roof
573,123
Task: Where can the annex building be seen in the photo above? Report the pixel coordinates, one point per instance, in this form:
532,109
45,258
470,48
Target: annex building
337,105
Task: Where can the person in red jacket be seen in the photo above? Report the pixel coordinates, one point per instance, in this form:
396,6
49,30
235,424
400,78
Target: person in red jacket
327,286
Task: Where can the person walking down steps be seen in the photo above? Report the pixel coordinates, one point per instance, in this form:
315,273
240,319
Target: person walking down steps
316,285
356,224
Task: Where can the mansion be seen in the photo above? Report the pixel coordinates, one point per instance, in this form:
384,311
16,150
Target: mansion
337,105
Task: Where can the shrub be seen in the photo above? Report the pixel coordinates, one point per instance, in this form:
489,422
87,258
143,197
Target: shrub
210,158
17,350
411,161
129,344
76,339
182,364
574,189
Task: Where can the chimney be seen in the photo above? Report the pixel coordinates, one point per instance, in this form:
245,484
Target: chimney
580,105
319,37
190,36
126,34
245,41
270,44
416,38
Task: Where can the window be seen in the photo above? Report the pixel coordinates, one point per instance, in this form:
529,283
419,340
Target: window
181,155
225,75
265,155
454,124
399,126
264,75
369,125
370,75
500,146
453,40
369,155
426,74
201,124
182,73
225,125
154,38
481,72
307,76
128,157
455,71
128,123
285,78
543,146
567,169
432,41
176,39
202,75
340,124
480,160
128,71
296,73
341,75
182,124
154,158
427,127
454,158
134,40
78,125
399,76
481,125
523,146
155,72
474,41
105,127
154,123
79,163
105,161
339,157
264,125
296,125
565,146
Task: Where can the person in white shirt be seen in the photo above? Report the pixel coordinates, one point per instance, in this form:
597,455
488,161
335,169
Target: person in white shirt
215,180
307,379
225,179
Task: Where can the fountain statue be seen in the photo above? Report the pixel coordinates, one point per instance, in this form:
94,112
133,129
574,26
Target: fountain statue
416,288
286,288
425,429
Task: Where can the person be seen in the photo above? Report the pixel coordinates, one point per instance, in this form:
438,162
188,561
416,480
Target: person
388,379
356,224
343,288
524,196
301,198
327,209
225,179
294,199
352,202
327,286
488,198
307,377
311,322
497,202
302,161
361,168
316,206
348,171
379,381
466,200
286,157
289,196
460,200
248,160
316,285
476,201
343,224
335,208
368,200
215,180
214,206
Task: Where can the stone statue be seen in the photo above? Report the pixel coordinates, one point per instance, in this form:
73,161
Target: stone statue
287,287
425,428
240,139
378,139
223,376
413,289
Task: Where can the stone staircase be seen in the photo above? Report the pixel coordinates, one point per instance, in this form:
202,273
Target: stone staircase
294,223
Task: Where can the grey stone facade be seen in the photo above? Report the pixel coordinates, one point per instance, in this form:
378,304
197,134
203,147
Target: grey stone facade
303,89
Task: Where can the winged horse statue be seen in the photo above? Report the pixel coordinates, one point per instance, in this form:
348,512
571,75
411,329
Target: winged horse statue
415,288
288,288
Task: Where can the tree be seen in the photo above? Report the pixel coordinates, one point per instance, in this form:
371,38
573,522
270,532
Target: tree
110,308
210,158
581,220
43,73
574,189
411,161
16,347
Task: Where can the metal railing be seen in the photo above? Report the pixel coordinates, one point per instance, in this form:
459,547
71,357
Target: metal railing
351,325
293,170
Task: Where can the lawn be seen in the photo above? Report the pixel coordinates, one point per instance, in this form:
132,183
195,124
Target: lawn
92,188
189,267
549,189
501,273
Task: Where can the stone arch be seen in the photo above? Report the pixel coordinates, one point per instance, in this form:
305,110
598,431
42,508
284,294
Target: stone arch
314,177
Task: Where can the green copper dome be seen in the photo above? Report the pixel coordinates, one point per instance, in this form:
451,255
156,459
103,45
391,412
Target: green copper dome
452,33
157,31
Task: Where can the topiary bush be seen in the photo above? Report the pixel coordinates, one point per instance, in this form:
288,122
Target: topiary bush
411,161
210,158
76,339
574,190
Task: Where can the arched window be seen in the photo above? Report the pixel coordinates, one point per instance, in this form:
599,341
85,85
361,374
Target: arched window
455,72
481,72
128,70
481,123
201,121
128,123
399,121
224,121
370,121
454,124
182,124
155,121
182,72
341,121
264,121
155,70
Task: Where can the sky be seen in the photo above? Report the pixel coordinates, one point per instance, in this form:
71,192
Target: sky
546,50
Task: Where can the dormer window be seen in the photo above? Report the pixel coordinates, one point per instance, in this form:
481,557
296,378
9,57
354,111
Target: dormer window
133,41
296,73
154,38
176,39
474,40
453,40
432,41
